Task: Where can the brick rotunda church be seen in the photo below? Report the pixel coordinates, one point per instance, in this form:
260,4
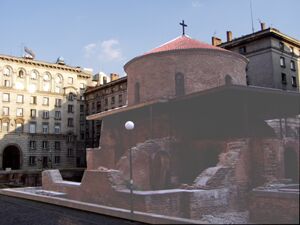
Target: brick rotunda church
202,138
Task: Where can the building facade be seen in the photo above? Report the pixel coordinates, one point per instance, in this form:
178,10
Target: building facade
42,114
110,93
273,57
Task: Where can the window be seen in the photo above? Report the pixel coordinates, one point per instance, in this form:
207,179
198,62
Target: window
57,89
19,112
81,108
45,145
243,50
70,152
33,100
57,145
21,74
98,106
69,138
293,67
282,62
32,88
6,83
45,101
5,111
81,127
6,72
113,100
32,161
32,128
57,115
70,108
58,102
46,87
58,79
70,122
19,127
71,96
33,75
32,145
57,159
82,86
292,49
283,78
20,98
81,117
57,128
137,92
294,81
5,97
46,77
45,127
70,80
281,46
45,114
120,99
20,85
33,113
106,102
179,84
5,126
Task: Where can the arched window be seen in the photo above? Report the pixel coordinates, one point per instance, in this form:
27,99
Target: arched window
137,92
71,96
33,75
179,84
58,79
21,74
7,71
46,83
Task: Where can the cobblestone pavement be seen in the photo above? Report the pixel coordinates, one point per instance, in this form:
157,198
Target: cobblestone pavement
15,211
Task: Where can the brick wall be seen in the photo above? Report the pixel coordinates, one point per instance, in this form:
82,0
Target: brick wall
202,69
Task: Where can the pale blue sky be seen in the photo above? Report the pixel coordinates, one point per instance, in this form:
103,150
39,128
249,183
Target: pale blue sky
104,35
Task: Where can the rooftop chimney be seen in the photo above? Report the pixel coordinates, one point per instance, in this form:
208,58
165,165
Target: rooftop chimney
215,41
262,25
229,36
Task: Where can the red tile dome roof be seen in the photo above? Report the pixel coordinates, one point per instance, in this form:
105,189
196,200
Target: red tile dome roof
183,42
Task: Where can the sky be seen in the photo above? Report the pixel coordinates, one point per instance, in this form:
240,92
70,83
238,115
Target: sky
104,35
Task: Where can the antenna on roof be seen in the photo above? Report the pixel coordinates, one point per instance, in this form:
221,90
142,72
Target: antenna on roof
251,9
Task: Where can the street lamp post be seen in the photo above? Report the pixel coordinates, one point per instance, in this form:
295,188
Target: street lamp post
129,125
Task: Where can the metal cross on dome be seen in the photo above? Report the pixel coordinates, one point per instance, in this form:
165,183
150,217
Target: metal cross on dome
183,27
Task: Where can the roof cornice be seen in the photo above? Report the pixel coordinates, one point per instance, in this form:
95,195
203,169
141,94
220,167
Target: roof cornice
44,64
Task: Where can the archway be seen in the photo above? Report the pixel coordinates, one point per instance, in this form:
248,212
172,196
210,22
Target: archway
291,167
11,158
